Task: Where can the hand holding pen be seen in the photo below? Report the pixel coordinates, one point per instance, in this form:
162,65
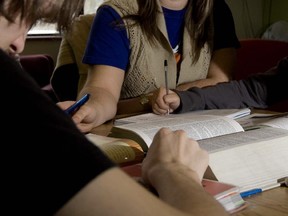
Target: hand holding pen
74,107
162,101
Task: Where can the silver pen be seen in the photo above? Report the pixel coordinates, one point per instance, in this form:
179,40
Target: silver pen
166,80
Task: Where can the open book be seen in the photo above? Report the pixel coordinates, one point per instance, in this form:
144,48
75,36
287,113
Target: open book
199,125
231,113
122,151
255,158
125,151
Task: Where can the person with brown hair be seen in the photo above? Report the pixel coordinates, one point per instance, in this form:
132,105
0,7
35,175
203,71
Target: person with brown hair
130,40
50,168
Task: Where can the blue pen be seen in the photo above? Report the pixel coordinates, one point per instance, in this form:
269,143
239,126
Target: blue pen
70,110
250,192
260,190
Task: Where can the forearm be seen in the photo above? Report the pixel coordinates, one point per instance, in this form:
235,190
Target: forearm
201,83
101,102
221,66
229,95
103,197
181,187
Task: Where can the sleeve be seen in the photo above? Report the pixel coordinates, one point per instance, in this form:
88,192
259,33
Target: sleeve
230,95
258,91
224,27
47,159
107,43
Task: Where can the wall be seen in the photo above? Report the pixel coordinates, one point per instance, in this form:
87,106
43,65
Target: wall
43,45
279,10
252,17
247,17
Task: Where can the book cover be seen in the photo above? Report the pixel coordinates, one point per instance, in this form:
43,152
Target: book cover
227,194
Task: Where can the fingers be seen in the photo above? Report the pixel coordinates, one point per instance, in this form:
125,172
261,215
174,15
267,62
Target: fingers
158,105
84,118
177,148
65,104
161,111
162,103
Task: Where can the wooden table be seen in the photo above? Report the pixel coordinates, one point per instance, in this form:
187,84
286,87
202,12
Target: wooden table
272,202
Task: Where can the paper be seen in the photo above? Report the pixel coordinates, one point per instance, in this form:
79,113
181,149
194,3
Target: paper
253,159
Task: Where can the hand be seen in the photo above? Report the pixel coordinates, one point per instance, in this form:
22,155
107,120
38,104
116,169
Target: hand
176,148
162,102
65,104
84,118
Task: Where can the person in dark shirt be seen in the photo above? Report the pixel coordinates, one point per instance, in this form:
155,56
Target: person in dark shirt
48,165
257,91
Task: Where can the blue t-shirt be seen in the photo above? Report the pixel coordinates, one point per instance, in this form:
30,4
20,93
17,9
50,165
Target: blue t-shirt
109,45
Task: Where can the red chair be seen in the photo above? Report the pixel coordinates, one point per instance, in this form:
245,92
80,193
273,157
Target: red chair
40,67
257,56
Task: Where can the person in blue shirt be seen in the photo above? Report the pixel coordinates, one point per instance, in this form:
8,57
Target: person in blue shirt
130,40
50,168
259,90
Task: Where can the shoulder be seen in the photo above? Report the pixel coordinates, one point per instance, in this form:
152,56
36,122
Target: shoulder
224,27
123,7
81,24
220,5
11,71
85,19
221,10
6,60
282,66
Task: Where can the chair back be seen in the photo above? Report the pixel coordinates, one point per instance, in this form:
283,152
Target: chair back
40,67
257,56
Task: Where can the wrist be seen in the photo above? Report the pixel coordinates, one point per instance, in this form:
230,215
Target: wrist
163,171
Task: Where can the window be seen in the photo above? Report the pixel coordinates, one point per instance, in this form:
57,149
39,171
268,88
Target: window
49,30
91,6
43,30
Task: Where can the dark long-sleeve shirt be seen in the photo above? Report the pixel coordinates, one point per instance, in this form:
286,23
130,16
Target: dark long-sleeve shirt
258,91
46,159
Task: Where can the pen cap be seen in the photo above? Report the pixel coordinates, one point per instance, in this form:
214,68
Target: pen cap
283,181
286,182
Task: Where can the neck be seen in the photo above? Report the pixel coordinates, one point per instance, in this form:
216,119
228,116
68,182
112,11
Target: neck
174,4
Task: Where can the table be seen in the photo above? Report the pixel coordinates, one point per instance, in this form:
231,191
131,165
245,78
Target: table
272,202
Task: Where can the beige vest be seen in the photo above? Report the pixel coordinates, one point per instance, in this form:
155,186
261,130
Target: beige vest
146,70
73,46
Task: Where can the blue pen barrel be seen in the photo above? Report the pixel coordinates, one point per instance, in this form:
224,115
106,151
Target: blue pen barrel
74,107
250,192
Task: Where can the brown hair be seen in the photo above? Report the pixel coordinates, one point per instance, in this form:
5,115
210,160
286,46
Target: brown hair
32,11
198,21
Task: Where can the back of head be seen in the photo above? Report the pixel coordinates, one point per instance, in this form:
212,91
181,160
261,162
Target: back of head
61,12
